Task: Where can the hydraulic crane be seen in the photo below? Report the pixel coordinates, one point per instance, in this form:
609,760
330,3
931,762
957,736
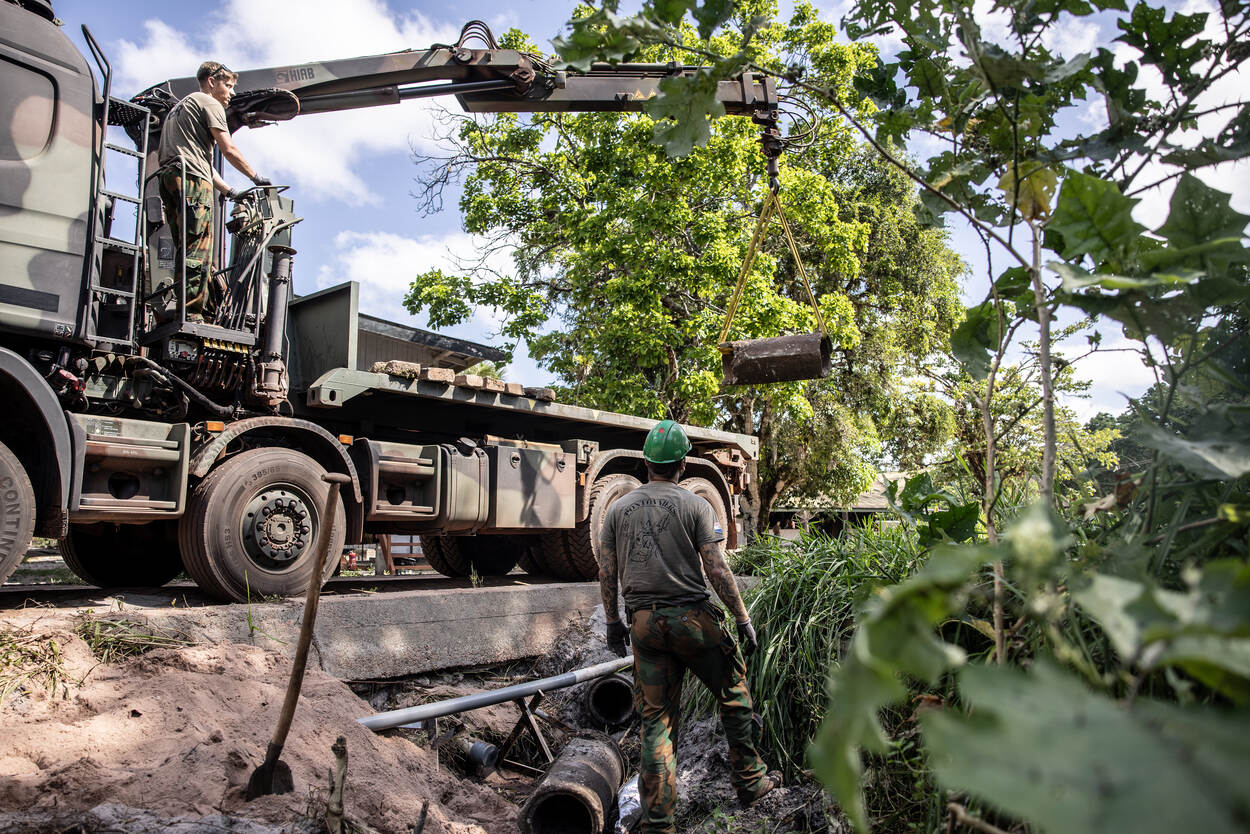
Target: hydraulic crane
486,79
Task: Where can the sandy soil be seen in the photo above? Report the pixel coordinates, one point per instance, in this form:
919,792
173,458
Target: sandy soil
177,732
166,742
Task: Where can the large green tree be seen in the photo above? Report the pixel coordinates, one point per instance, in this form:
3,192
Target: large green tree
624,258
1079,663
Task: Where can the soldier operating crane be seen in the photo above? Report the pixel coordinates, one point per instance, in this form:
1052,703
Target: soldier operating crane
148,442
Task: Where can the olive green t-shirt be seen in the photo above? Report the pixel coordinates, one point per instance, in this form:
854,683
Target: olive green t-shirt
656,532
188,133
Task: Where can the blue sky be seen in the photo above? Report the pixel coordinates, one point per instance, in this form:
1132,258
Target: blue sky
351,174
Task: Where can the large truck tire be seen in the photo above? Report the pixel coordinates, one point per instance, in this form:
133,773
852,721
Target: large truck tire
706,490
445,560
123,555
17,512
553,556
574,554
461,555
252,525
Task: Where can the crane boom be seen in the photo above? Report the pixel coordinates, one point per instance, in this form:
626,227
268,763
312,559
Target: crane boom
485,80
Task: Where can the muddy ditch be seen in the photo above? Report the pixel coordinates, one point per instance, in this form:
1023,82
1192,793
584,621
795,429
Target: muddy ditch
163,737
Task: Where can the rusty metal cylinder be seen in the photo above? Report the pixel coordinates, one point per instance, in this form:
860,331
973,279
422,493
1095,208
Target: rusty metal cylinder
609,701
578,791
781,359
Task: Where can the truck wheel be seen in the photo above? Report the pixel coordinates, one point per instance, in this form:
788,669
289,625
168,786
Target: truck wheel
17,512
574,554
446,560
706,490
554,558
460,555
251,526
123,555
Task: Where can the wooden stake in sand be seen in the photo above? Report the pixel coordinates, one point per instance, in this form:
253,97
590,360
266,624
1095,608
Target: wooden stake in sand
274,776
334,805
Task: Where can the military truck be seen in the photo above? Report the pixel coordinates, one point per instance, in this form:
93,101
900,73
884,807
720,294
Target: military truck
148,443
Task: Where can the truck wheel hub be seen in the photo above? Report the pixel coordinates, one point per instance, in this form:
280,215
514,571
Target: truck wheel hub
277,526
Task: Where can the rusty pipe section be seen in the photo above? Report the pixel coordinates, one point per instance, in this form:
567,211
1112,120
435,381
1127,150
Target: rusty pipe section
609,701
577,792
437,709
780,359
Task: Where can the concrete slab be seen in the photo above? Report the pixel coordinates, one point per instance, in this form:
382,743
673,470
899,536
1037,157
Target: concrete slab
370,636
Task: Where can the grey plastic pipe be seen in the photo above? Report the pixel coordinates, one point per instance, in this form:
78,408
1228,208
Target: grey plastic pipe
437,709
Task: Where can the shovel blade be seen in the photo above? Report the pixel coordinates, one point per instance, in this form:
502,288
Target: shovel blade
267,780
780,359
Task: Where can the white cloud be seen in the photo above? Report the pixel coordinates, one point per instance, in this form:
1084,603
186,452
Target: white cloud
384,264
1117,373
1071,37
320,154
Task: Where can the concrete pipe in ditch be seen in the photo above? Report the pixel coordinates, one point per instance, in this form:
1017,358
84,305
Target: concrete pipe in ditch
578,791
609,701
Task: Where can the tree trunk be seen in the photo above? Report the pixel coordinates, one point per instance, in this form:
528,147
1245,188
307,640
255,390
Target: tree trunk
1043,358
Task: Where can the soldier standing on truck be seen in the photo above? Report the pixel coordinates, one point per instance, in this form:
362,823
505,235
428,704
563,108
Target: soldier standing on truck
654,540
190,130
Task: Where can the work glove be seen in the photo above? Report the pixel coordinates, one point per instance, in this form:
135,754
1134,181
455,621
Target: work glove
618,638
746,637
232,195
258,181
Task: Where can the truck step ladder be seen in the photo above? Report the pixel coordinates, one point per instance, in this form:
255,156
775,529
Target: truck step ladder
116,294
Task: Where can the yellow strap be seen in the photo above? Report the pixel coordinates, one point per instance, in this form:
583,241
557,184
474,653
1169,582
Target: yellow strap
746,265
794,250
771,203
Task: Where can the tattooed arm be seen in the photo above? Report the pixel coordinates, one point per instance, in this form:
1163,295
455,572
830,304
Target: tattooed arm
722,580
607,584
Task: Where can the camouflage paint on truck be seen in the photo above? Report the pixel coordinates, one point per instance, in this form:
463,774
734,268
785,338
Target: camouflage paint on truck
46,134
206,441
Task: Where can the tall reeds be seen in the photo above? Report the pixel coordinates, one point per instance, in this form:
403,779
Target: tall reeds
802,604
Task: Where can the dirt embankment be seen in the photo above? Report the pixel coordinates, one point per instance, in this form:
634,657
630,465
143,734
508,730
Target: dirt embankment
166,742
177,732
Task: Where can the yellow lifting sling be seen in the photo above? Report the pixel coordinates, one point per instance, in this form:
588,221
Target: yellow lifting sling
781,358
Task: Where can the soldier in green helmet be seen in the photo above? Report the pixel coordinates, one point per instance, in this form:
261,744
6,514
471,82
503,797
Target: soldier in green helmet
187,178
654,541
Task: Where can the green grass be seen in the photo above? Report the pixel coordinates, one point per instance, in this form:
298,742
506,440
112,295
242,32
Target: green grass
114,640
802,606
28,661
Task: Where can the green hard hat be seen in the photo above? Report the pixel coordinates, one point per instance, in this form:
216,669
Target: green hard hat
666,443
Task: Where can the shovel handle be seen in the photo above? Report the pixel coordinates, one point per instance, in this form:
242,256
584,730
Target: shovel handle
311,599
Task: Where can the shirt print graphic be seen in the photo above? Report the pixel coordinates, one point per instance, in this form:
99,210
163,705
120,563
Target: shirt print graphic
647,532
647,540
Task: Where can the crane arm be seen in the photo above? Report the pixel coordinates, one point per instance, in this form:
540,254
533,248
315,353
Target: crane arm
484,80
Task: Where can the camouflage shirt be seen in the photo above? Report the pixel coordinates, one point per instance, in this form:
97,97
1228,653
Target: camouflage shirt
656,532
188,133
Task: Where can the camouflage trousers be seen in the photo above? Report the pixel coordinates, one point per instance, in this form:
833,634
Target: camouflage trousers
192,200
667,642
